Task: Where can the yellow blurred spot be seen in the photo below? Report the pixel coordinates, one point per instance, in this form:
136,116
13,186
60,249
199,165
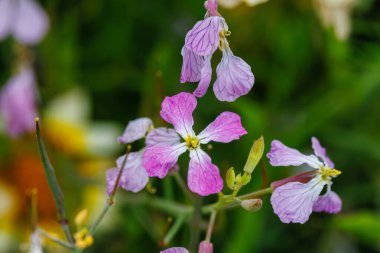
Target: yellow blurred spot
81,217
83,239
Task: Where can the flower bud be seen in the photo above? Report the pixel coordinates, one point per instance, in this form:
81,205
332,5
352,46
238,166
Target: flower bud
252,205
205,247
255,155
230,178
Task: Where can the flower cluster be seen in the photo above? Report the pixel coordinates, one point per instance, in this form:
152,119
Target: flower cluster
234,75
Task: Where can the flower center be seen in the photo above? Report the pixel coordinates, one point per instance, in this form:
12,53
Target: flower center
327,173
191,142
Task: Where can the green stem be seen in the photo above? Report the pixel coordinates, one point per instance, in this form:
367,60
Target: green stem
99,218
183,186
54,239
174,229
53,185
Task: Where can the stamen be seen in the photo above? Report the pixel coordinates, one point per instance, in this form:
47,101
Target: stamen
191,142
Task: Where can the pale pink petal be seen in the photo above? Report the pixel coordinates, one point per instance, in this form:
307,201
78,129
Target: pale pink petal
234,77
321,152
281,155
203,38
191,67
205,247
206,74
212,7
134,176
162,135
158,160
31,22
18,103
203,176
6,14
175,250
293,202
178,111
225,128
329,203
135,130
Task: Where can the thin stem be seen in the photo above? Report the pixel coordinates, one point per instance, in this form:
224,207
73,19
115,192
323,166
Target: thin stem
55,239
99,218
183,186
211,225
174,229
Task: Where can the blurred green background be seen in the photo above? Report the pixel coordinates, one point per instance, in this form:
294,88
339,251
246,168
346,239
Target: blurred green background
122,57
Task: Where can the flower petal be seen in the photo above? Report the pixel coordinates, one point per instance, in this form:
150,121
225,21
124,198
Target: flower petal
281,155
191,67
321,152
225,128
162,135
134,177
203,38
293,202
203,176
175,250
31,22
329,203
135,130
18,103
206,74
234,77
212,7
178,111
6,14
158,160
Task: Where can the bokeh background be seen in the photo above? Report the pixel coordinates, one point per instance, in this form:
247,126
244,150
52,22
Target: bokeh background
103,63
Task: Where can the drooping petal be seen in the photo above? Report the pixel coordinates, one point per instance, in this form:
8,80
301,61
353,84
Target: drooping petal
329,203
158,160
234,77
225,128
31,22
321,152
175,250
206,74
135,130
134,176
162,135
293,202
191,67
203,176
6,14
18,103
281,155
203,38
178,111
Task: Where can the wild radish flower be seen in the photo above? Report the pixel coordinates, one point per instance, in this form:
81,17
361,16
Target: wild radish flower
24,19
18,103
234,76
203,176
295,199
175,250
134,176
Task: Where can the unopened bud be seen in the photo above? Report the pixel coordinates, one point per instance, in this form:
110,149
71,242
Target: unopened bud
252,205
205,247
255,155
230,178
238,179
246,178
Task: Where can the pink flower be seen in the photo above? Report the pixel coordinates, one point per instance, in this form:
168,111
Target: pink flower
175,250
294,199
18,103
134,177
203,176
234,76
24,19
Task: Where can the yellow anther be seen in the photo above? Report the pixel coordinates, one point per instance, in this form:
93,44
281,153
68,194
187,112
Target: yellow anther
327,172
191,142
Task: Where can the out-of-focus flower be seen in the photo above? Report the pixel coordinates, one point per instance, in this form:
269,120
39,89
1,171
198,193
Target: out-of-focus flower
234,76
35,243
24,19
234,3
175,250
336,13
294,201
205,247
83,239
18,103
203,175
